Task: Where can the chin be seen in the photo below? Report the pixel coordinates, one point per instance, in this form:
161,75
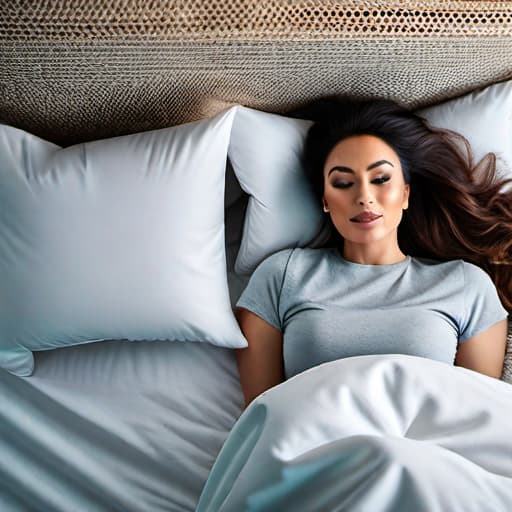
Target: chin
364,237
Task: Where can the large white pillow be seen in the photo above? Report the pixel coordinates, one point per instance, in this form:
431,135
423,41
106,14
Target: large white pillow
282,211
121,238
265,152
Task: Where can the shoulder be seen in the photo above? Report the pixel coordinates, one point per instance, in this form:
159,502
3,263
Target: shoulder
475,275
296,254
438,269
277,258
292,261
274,263
302,259
458,271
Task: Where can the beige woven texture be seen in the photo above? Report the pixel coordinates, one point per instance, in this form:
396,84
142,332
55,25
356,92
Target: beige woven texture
239,19
507,368
80,70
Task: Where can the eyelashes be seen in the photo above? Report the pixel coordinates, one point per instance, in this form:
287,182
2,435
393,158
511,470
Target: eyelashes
381,180
378,181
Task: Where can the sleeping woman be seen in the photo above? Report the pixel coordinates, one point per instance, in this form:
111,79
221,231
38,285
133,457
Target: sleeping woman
417,261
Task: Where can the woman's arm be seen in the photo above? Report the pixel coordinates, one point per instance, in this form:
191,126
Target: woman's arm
260,365
485,352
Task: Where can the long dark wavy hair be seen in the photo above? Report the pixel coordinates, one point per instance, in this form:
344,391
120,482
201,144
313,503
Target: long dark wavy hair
457,209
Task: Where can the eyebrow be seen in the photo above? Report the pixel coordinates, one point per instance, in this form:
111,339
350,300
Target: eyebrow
342,168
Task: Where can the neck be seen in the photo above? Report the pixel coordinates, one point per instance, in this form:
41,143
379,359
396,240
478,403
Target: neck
372,255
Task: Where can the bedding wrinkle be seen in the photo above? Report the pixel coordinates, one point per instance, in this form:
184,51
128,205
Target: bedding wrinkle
246,434
331,407
76,457
427,426
29,170
330,477
384,483
83,174
142,393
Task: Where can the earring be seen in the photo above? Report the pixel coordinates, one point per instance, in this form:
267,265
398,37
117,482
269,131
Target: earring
325,209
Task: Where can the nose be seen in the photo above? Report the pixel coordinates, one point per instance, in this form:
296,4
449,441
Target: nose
365,196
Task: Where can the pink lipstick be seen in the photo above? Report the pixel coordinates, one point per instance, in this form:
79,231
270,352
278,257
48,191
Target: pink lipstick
366,217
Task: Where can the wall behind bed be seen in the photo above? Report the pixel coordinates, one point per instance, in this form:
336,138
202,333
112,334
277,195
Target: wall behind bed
79,70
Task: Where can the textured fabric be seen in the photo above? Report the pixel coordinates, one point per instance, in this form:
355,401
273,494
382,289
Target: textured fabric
119,238
77,71
393,433
507,367
330,308
199,20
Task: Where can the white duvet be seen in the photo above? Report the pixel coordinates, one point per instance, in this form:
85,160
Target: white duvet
370,434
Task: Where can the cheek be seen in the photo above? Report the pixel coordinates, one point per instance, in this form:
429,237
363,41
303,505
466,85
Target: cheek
332,197
392,196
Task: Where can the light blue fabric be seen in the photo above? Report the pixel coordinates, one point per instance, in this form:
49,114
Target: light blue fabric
330,308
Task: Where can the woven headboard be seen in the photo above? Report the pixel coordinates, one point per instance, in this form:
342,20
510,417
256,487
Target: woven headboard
75,70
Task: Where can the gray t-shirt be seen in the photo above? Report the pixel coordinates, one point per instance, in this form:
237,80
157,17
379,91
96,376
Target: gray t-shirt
329,308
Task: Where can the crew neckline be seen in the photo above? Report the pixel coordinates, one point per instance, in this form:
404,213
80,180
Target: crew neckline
340,258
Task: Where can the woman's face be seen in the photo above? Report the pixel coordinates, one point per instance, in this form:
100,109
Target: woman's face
363,173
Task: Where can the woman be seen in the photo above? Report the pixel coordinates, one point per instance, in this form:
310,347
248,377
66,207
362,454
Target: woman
418,261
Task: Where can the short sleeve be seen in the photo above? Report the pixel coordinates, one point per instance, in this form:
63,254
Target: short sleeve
263,291
482,305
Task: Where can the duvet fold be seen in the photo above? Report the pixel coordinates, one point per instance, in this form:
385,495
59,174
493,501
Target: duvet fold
379,433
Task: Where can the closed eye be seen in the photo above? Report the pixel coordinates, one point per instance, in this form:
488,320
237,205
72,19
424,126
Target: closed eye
377,181
382,179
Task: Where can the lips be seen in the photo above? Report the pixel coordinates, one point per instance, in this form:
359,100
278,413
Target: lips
366,216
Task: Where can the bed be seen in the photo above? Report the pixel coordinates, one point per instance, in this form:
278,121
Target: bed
120,409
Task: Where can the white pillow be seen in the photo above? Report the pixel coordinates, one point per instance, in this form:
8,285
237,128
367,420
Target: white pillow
485,118
265,152
121,238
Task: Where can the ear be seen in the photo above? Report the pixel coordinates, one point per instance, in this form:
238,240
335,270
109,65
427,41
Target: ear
407,191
